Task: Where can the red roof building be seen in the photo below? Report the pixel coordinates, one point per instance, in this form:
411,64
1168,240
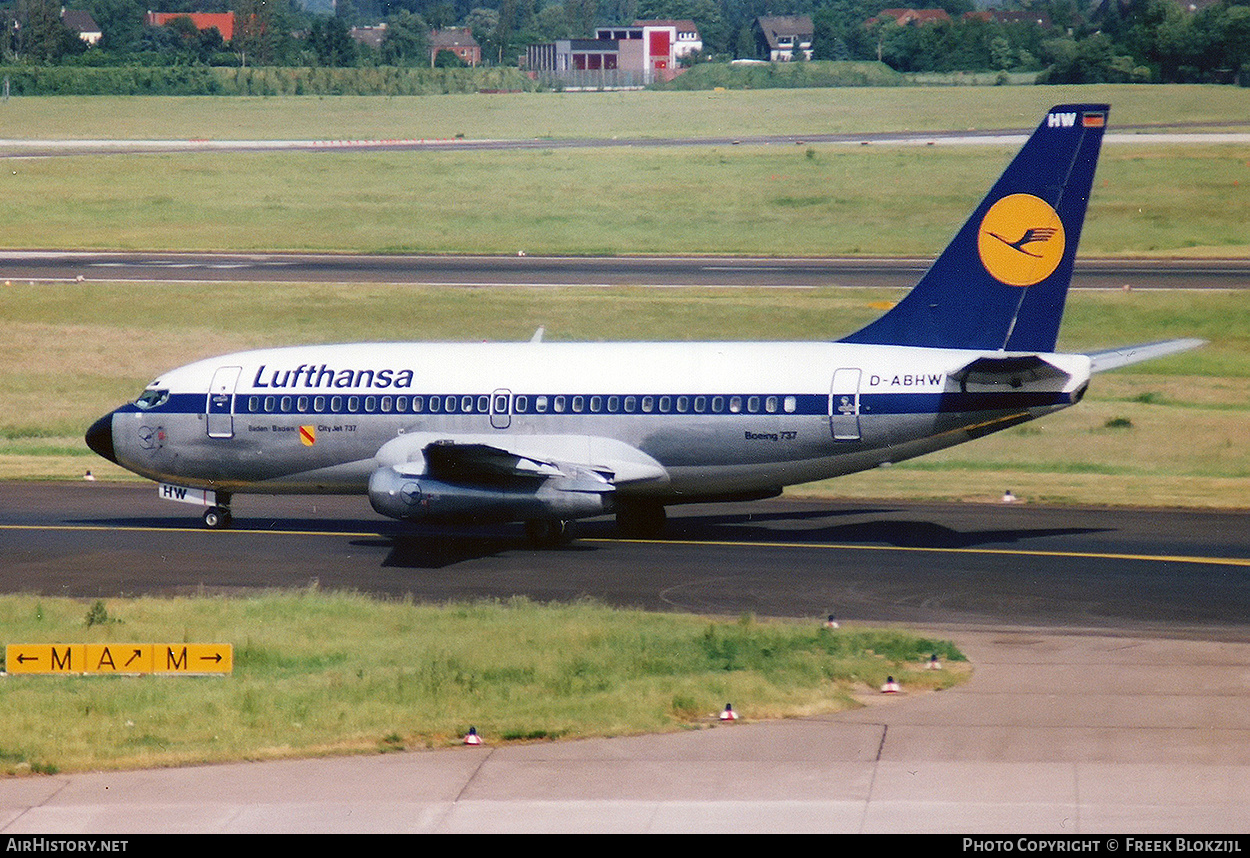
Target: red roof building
903,17
223,21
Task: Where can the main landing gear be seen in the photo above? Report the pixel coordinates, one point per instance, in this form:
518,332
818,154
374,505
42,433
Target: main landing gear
641,519
549,532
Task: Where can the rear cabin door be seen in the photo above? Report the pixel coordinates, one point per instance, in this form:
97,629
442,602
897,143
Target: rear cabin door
844,405
219,410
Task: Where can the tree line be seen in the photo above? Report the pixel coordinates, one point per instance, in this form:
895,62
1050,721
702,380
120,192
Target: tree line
1085,41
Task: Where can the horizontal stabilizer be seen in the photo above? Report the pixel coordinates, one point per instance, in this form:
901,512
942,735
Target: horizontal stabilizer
1115,358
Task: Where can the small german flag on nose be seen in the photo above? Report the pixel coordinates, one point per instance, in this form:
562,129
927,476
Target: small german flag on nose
308,435
1093,119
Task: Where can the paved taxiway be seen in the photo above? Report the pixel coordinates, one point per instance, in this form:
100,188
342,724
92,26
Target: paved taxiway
1110,650
548,272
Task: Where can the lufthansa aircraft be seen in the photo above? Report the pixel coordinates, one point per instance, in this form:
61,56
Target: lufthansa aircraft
546,433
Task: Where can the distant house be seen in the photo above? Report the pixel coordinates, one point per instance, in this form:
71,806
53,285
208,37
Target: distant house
666,40
223,21
81,22
369,36
1010,16
458,40
625,56
780,38
919,17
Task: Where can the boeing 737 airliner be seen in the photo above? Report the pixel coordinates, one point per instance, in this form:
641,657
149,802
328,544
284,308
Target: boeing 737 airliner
546,433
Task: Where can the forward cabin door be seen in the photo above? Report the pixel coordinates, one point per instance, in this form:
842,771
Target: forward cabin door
219,411
844,405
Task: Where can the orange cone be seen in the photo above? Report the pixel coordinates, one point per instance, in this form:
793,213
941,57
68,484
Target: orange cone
729,714
890,687
472,738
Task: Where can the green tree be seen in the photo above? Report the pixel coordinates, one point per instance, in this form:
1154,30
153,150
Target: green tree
331,43
407,41
38,34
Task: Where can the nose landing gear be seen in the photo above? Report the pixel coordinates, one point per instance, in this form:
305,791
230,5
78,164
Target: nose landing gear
218,517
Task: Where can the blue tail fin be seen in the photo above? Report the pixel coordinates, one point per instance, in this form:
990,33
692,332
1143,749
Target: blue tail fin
1001,283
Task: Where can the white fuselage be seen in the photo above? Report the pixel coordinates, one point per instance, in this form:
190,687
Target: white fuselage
719,419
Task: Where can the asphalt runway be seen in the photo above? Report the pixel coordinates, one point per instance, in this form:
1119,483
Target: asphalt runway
136,267
963,564
1109,648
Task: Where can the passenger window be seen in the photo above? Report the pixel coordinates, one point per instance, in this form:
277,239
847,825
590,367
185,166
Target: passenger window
540,404
718,404
559,404
789,404
753,404
614,404
253,404
319,404
301,404
700,404
648,404
665,404
285,405
520,405
578,404
596,404
683,404
371,404
735,404
770,405
631,404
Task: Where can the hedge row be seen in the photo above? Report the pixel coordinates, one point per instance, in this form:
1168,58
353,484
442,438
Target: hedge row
203,80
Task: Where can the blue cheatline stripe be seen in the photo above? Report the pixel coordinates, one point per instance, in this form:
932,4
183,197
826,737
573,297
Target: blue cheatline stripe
593,405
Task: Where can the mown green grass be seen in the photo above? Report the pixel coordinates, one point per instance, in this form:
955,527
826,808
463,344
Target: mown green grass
397,675
608,114
752,200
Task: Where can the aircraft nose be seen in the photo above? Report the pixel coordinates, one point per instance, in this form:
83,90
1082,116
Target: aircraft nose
100,438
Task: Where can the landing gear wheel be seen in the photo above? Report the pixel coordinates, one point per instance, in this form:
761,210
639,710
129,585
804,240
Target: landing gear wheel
218,518
548,532
641,519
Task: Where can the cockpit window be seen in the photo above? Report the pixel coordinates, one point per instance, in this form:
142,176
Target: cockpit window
152,398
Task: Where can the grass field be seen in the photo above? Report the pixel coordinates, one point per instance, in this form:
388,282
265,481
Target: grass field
606,114
396,675
813,201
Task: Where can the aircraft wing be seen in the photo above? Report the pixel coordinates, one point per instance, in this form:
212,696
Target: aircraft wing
577,462
1115,358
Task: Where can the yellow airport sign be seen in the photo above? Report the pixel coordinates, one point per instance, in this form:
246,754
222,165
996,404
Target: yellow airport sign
101,659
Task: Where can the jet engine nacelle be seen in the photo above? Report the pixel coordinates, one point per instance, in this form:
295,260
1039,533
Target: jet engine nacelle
412,497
